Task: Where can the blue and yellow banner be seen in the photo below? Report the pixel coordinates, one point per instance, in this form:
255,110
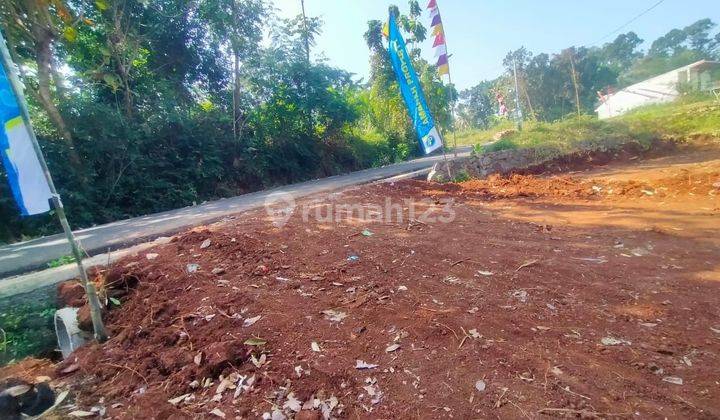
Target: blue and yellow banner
27,179
412,91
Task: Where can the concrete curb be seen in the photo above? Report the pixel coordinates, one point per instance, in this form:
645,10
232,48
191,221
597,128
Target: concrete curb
27,283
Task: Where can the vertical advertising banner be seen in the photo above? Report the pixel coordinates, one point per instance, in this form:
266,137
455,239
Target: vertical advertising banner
412,91
27,179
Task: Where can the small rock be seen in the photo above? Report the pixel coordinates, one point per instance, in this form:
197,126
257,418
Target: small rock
206,243
217,271
480,385
151,256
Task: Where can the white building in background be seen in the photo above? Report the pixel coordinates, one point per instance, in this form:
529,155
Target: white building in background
662,88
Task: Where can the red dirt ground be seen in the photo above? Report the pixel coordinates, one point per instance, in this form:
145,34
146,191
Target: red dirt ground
586,294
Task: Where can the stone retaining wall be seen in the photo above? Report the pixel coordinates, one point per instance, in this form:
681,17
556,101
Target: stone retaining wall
480,166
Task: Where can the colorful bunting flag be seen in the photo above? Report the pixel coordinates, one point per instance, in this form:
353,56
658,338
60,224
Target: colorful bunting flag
439,44
436,20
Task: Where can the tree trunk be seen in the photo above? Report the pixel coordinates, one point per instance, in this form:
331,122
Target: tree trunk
527,98
235,93
44,59
60,90
575,83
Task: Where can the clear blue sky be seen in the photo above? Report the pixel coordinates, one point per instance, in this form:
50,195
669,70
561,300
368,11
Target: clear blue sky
481,32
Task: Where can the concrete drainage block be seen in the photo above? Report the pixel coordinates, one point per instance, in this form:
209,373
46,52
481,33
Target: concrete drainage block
69,335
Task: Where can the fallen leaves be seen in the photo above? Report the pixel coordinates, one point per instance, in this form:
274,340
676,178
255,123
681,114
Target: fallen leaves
81,413
527,263
391,348
612,341
178,400
255,341
359,364
373,391
217,413
520,295
292,403
250,321
258,361
333,315
673,380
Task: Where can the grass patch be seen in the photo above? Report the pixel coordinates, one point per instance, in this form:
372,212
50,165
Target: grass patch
677,120
26,328
59,262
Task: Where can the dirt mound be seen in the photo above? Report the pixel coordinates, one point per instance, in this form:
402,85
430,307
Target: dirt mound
484,315
681,182
514,186
628,152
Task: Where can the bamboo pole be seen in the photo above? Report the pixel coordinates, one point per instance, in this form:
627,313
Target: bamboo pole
93,301
452,109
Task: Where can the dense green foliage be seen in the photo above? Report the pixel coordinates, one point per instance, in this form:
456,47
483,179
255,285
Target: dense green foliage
26,326
142,106
553,86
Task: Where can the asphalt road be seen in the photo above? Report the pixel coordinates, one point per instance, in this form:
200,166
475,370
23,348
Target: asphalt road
26,256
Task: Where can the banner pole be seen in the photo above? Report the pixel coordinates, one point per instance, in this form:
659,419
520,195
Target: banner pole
452,110
93,301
